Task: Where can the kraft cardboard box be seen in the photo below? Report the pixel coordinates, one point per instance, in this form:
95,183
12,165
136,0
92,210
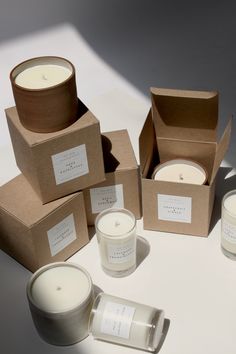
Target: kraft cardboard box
59,163
36,234
121,188
181,124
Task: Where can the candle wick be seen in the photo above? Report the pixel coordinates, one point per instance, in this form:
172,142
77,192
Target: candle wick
44,77
117,223
181,177
58,288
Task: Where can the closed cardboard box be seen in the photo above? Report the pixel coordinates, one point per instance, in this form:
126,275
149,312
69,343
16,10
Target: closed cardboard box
59,163
36,234
181,124
121,189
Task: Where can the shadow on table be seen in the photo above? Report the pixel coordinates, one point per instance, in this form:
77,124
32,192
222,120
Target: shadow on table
223,185
143,249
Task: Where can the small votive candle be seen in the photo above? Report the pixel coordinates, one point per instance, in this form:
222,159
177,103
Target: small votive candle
116,235
126,322
45,93
228,225
60,297
181,171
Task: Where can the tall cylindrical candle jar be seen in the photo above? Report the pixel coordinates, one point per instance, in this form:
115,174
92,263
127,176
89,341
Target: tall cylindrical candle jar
60,297
116,235
126,322
45,93
228,225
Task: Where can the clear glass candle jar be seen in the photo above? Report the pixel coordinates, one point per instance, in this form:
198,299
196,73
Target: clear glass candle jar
126,322
116,235
228,225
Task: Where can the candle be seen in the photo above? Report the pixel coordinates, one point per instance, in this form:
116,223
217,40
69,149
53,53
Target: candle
228,225
116,234
45,93
181,171
60,297
126,322
42,76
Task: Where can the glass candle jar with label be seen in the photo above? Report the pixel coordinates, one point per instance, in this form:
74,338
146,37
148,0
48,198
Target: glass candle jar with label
126,322
228,225
60,297
116,235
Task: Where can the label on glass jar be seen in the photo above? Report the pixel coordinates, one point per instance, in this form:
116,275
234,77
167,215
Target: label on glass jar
106,197
228,231
117,319
61,235
121,253
174,208
70,164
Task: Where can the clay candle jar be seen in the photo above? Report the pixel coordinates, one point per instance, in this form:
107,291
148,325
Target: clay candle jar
228,225
126,322
116,235
45,93
60,297
181,171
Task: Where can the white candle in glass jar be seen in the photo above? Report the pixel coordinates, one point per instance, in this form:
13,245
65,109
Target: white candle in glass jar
42,76
228,225
60,296
126,322
181,171
116,234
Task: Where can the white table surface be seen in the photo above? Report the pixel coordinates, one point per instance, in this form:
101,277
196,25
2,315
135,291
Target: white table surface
186,276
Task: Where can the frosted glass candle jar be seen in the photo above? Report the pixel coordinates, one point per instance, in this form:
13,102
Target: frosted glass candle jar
181,171
45,93
60,297
228,225
116,235
125,322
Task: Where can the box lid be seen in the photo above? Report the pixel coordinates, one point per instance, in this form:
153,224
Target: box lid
117,151
19,199
186,115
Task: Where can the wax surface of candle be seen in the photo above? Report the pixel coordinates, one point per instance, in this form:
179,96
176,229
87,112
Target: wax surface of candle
60,289
42,76
230,204
228,225
115,224
181,172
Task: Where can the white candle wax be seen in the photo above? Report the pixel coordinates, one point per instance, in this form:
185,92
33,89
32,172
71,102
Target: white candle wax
181,171
42,76
228,224
60,289
126,322
116,233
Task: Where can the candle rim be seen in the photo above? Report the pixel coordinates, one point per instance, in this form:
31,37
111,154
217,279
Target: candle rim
13,78
113,210
226,196
53,265
181,160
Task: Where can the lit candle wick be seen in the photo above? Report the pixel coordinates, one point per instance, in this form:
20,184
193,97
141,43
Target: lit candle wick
44,77
117,223
181,177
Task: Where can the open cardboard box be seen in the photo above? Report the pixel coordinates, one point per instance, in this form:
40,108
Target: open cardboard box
59,163
121,189
181,124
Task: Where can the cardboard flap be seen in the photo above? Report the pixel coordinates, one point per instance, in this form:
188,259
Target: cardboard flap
221,149
146,144
186,115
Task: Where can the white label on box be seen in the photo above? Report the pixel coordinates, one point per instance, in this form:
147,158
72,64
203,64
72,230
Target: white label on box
117,319
228,231
106,197
61,235
174,208
70,164
121,253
